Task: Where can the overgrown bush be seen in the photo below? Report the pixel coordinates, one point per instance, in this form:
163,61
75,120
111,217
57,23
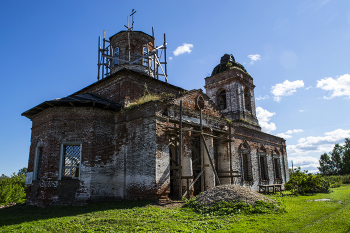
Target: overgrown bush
304,182
336,181
12,189
233,207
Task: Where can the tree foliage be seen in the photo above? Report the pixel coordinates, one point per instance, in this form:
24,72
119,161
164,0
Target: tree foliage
304,182
336,162
12,189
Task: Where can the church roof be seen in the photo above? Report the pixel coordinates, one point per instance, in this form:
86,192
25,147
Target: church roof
228,63
123,31
81,100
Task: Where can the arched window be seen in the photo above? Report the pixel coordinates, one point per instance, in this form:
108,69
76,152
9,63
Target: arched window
276,162
38,161
246,162
277,165
247,100
116,55
221,99
145,59
263,164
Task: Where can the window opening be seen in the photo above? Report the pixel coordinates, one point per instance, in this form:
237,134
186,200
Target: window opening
145,59
71,161
277,168
38,163
116,55
221,100
263,168
247,100
246,175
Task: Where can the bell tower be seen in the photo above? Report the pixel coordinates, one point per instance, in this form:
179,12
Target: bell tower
231,88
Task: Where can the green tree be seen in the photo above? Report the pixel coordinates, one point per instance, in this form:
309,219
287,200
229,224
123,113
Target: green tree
336,158
346,157
22,171
325,164
336,162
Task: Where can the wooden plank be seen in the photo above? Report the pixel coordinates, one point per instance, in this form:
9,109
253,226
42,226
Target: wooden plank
174,120
229,176
204,165
182,177
227,172
195,180
211,162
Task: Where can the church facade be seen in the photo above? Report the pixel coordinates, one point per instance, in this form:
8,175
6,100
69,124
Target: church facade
132,136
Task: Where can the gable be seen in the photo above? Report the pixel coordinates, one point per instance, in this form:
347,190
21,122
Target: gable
128,84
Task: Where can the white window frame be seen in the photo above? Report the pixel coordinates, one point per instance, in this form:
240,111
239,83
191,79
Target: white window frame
63,144
36,159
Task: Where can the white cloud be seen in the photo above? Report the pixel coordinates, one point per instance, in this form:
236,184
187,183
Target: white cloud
339,86
319,144
185,48
286,88
305,162
289,132
294,131
262,98
301,110
170,58
283,135
264,117
254,58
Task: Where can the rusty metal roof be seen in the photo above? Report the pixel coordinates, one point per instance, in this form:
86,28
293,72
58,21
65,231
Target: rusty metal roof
81,100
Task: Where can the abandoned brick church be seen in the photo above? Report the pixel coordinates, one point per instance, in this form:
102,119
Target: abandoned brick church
130,135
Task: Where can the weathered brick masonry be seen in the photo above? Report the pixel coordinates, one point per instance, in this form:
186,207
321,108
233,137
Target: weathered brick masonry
93,145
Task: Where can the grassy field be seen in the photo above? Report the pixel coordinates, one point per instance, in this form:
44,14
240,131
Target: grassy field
301,215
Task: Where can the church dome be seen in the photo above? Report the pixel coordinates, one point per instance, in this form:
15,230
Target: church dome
228,62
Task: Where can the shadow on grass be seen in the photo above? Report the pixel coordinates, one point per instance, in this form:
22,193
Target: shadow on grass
25,213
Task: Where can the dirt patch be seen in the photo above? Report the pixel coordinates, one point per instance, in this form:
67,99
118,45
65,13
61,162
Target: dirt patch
169,204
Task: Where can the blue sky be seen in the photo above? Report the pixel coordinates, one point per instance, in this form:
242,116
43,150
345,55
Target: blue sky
297,52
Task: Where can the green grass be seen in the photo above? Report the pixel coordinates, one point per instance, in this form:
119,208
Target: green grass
139,216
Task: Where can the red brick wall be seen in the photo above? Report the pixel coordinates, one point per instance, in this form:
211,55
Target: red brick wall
128,84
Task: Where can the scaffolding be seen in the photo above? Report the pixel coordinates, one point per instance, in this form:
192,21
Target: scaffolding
106,55
231,174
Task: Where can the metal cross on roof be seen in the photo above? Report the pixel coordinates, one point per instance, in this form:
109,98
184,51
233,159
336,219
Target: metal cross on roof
132,25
